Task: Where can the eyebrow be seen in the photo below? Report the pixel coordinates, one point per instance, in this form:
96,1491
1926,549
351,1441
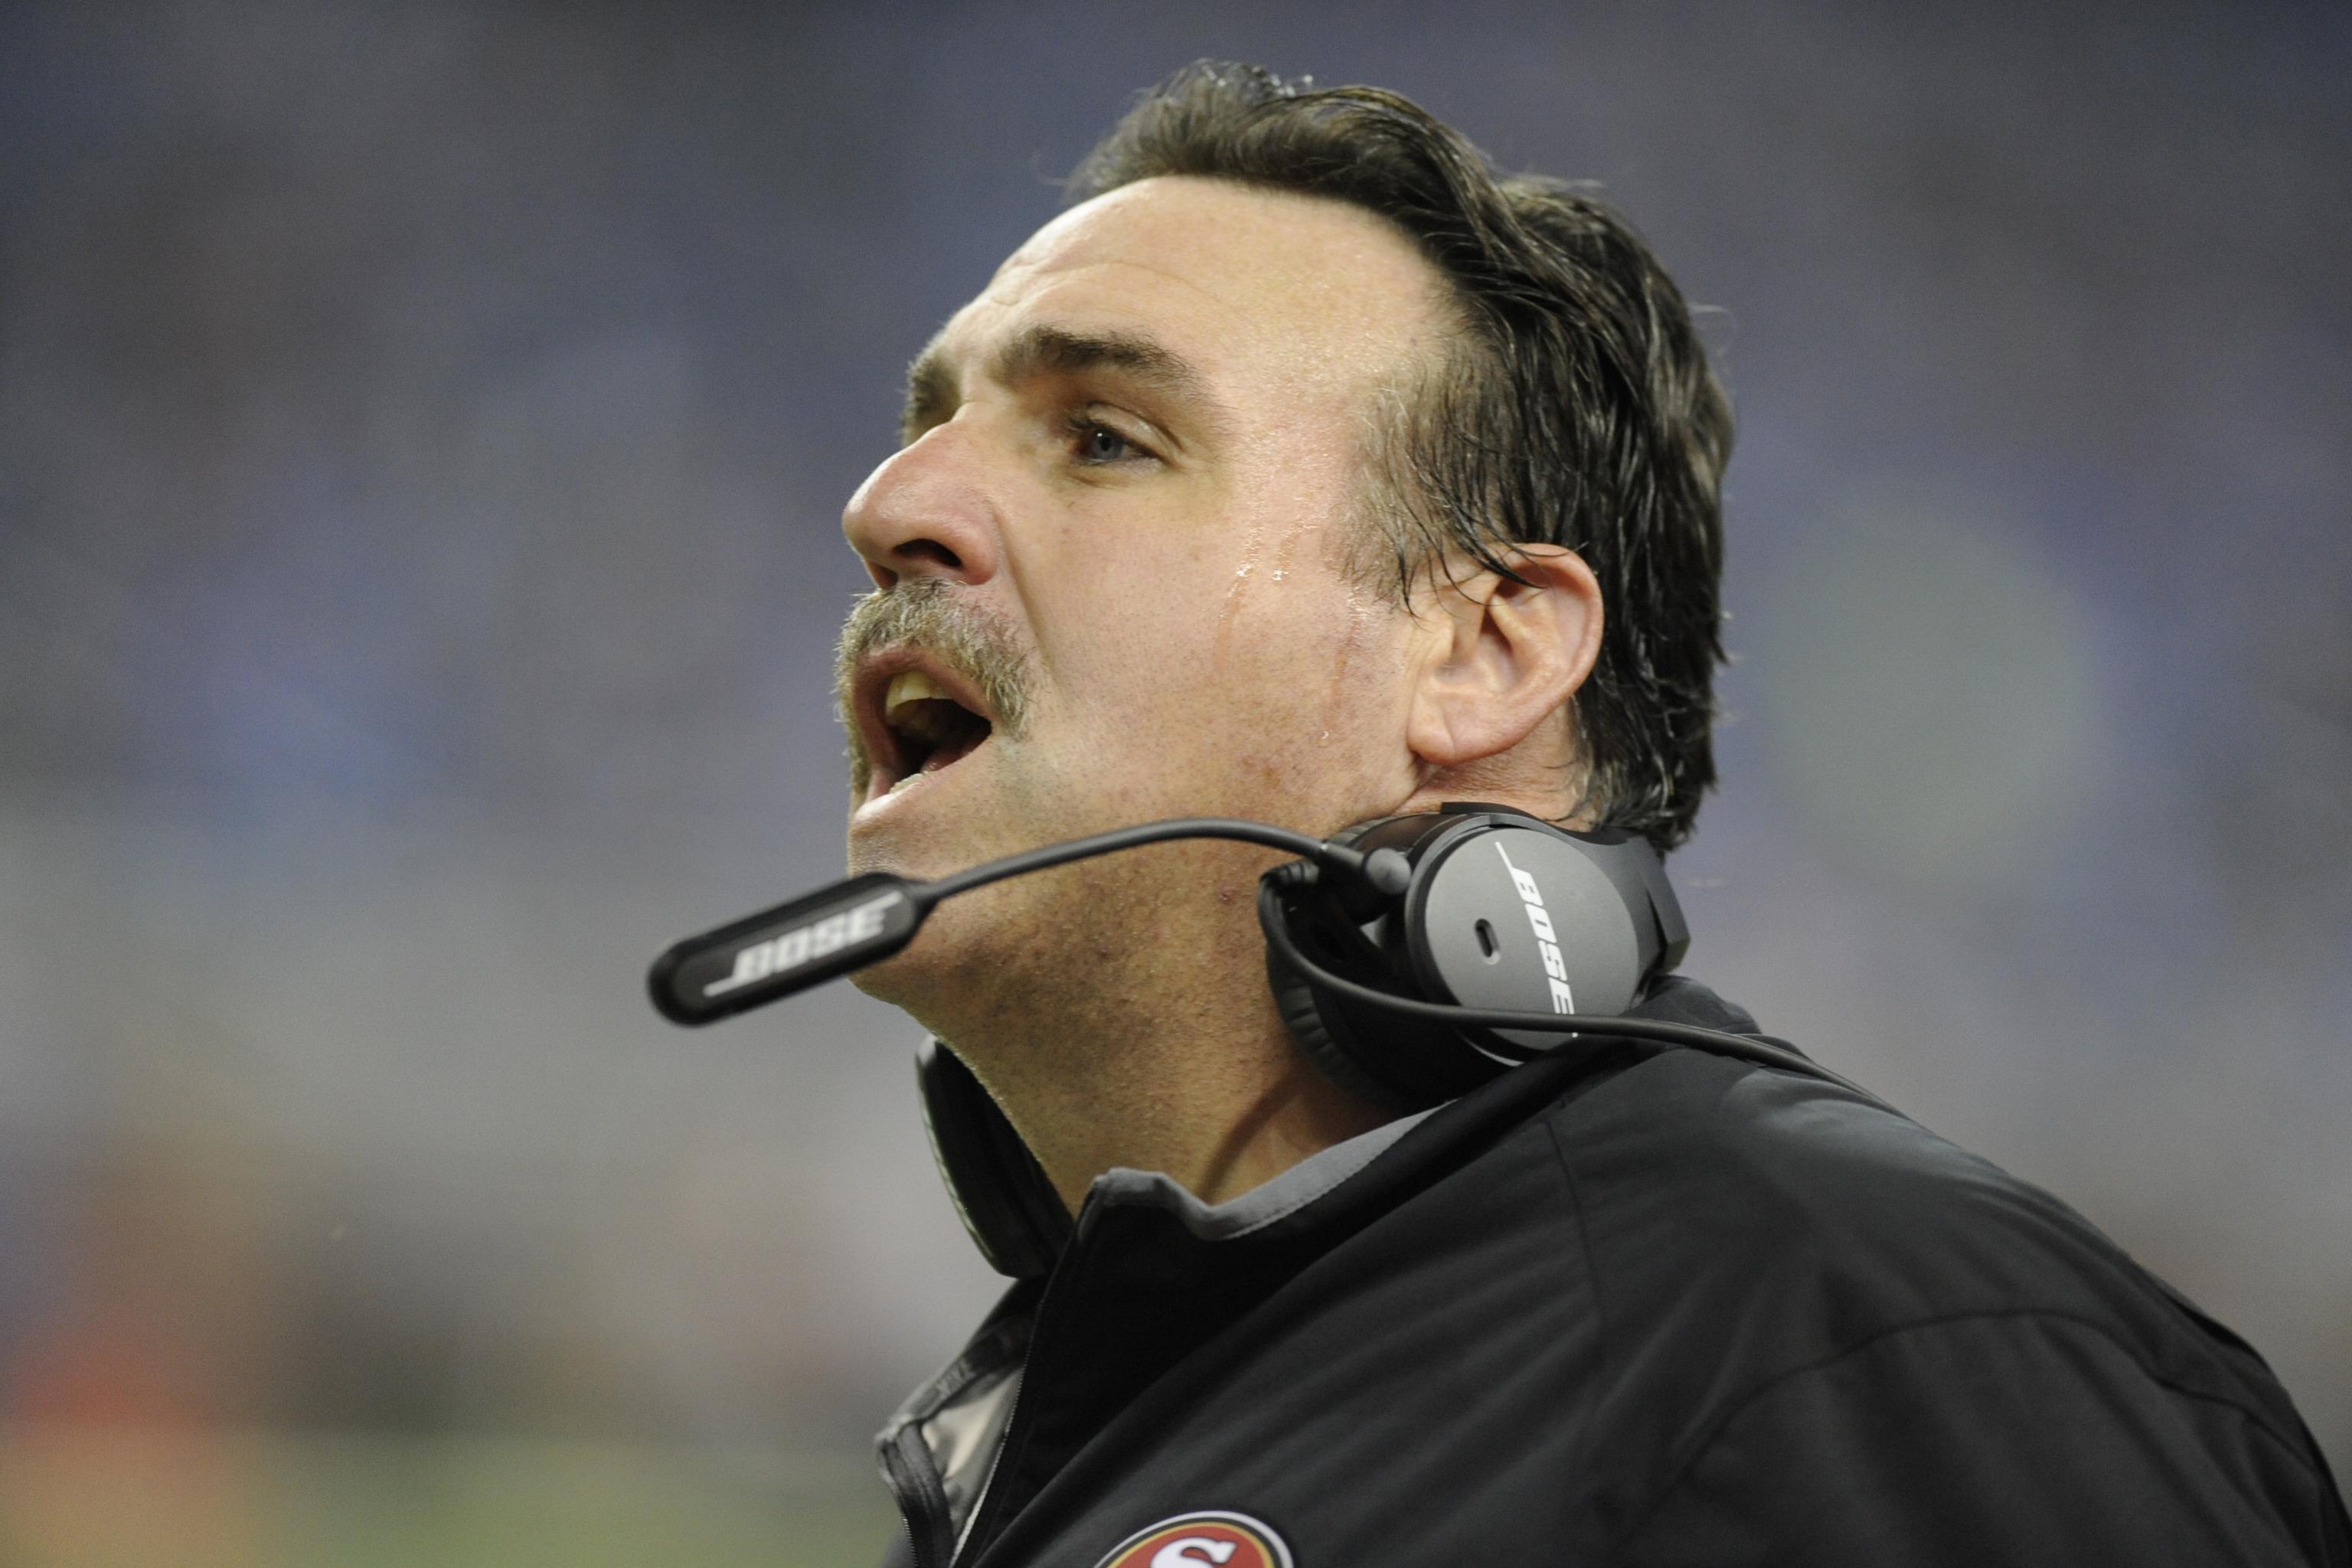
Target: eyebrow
1046,351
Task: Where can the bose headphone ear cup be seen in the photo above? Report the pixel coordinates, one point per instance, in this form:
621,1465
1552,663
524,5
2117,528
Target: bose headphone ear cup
1000,1192
1404,1066
1552,920
1303,1014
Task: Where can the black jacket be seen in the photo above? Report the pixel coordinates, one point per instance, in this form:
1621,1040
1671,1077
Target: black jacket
1648,1306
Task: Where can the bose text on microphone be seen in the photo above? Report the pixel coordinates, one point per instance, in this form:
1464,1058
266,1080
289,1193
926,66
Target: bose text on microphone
770,955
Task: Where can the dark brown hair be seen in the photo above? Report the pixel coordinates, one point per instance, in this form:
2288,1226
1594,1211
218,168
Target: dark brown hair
1578,410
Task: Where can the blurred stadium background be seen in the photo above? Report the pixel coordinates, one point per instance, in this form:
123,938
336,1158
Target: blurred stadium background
423,432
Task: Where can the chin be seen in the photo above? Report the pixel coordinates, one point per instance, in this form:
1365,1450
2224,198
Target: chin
890,981
920,983
939,822
884,835
965,957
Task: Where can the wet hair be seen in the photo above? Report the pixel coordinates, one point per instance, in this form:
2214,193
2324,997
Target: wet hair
1576,407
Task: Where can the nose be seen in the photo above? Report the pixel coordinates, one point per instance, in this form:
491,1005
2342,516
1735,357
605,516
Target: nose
927,511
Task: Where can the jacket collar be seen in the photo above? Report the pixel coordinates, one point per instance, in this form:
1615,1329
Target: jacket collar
1020,1227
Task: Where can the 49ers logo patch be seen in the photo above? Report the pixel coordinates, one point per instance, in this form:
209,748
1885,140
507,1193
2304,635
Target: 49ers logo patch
1204,1540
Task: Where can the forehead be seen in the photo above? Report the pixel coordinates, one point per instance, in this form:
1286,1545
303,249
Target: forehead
1262,290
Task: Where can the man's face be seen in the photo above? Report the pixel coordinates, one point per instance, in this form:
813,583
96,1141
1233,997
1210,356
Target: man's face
1120,529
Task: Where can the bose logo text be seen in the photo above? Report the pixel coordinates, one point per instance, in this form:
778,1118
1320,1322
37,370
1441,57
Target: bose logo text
805,944
1539,919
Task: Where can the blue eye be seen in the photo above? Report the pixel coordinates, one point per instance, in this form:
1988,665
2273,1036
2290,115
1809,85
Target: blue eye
1098,444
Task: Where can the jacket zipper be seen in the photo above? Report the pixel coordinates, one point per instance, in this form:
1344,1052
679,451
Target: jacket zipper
922,1499
1057,1287
988,1481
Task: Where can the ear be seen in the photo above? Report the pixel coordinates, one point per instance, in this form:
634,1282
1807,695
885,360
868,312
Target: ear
1504,657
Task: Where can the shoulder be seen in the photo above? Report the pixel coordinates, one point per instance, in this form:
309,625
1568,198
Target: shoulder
1783,1223
1735,1167
1819,1317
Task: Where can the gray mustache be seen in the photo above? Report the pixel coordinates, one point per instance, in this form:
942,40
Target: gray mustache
939,618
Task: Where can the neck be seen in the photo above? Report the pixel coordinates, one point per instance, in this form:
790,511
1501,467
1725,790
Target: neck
1158,1048
1219,1113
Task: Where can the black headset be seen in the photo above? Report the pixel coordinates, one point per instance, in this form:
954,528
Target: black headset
1499,911
1412,958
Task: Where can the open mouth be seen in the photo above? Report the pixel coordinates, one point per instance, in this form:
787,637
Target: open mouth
924,728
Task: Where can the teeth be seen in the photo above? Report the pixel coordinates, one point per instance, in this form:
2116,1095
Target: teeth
909,686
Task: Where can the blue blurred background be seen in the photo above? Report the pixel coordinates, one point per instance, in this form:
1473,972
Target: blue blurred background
423,434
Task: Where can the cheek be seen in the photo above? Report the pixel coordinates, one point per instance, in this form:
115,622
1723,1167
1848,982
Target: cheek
1239,666
1301,695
